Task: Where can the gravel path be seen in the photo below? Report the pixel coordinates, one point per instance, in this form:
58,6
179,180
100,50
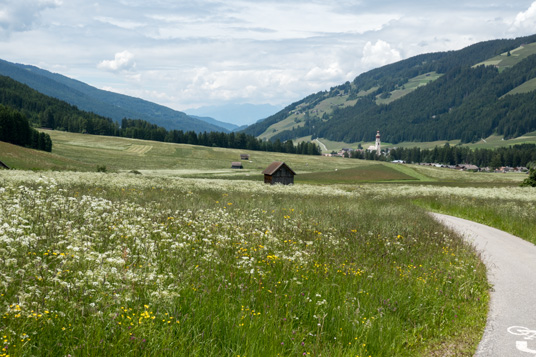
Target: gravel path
511,263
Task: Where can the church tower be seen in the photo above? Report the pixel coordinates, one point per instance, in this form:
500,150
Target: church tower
378,143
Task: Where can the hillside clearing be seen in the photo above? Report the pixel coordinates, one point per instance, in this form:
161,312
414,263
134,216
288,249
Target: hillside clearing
510,59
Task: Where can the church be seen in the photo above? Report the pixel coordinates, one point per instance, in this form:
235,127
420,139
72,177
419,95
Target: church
376,147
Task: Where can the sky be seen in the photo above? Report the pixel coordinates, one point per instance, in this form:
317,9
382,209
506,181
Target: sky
187,54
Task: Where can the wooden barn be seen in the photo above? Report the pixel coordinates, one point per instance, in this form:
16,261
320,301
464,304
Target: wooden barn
236,165
244,156
279,172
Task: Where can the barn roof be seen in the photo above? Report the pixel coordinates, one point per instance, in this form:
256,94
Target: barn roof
274,166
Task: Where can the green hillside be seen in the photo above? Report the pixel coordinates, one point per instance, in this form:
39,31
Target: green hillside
510,58
103,103
482,90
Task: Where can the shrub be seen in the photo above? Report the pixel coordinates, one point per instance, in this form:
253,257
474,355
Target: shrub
531,180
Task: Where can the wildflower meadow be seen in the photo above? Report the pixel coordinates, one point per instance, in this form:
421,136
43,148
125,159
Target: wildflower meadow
116,264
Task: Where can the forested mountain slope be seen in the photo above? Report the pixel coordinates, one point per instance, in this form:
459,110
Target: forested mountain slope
436,96
104,103
48,112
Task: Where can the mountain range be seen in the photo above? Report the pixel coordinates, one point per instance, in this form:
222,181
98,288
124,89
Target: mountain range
240,115
484,89
107,104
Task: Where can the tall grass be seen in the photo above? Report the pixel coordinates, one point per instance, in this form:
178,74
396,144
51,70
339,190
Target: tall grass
109,264
510,215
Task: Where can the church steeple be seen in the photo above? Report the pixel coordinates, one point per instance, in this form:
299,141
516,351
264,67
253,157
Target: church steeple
378,143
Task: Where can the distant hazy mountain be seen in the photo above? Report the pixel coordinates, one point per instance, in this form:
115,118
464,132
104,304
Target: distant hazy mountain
108,104
238,114
228,126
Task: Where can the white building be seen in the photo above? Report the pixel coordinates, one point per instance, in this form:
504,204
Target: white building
376,147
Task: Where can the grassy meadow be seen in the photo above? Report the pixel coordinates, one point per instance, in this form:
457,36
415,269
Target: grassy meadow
173,253
410,86
511,58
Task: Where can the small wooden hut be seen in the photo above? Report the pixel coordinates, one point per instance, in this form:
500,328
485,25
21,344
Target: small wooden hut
244,156
279,172
3,166
236,165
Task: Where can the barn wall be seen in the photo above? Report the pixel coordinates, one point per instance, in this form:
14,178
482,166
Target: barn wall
282,176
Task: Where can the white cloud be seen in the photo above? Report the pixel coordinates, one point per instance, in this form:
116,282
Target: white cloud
322,74
125,24
526,20
122,61
22,15
379,54
191,53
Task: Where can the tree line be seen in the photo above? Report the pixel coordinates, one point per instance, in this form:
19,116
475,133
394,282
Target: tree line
15,129
522,155
51,113
141,129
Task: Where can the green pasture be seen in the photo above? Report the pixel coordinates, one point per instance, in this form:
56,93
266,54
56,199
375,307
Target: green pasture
368,173
364,93
85,152
410,86
503,60
21,158
496,141
292,121
329,104
526,87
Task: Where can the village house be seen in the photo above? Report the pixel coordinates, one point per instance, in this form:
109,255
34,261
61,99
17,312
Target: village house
468,167
345,152
279,172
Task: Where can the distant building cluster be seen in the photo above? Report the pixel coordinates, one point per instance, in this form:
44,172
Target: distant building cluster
346,152
467,167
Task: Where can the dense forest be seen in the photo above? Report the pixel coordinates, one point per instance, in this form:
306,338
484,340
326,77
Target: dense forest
51,113
15,129
465,102
522,155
